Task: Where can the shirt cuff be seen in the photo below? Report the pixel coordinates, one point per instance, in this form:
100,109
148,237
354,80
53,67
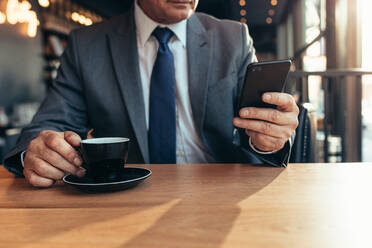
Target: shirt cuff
23,158
258,151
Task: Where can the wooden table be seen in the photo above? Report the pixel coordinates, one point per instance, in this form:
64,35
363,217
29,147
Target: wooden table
221,205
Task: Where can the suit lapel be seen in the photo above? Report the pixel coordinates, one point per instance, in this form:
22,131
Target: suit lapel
199,54
123,46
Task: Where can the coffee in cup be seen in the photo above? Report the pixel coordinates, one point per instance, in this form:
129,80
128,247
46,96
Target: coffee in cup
104,158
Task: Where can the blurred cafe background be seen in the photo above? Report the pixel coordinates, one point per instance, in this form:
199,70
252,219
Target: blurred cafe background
327,39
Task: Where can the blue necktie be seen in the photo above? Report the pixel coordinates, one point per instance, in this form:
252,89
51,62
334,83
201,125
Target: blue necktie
162,126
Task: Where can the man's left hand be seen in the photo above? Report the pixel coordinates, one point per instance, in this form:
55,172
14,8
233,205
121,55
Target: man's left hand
270,128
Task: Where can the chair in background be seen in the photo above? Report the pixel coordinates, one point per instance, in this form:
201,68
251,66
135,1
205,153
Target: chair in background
304,146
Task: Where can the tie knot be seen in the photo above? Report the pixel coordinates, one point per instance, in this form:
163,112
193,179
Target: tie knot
163,35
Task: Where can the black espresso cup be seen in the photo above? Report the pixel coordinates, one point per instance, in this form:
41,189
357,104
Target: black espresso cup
104,158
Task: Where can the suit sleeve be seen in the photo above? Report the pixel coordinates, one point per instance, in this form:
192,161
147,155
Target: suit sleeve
63,109
278,159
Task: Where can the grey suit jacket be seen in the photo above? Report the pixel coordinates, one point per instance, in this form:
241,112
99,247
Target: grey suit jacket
99,87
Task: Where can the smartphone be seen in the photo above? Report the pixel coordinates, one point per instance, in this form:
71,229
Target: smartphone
263,77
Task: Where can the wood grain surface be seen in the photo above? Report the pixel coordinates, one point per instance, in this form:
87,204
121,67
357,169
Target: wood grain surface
215,205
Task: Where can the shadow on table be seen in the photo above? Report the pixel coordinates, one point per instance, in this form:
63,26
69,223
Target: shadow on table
185,215
194,221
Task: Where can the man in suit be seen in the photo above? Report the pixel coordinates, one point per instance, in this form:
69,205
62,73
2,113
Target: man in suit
165,77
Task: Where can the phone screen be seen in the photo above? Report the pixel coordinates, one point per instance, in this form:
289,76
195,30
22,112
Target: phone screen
263,77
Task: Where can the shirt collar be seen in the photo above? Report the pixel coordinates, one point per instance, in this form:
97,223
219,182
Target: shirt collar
145,26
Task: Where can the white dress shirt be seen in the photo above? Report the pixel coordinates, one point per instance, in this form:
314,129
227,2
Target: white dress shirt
190,148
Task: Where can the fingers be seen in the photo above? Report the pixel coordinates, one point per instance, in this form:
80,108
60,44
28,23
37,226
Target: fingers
269,128
36,180
43,168
264,142
284,101
57,142
264,127
49,164
50,156
59,162
269,114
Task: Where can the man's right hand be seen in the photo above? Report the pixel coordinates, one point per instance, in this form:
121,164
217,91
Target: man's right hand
50,156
